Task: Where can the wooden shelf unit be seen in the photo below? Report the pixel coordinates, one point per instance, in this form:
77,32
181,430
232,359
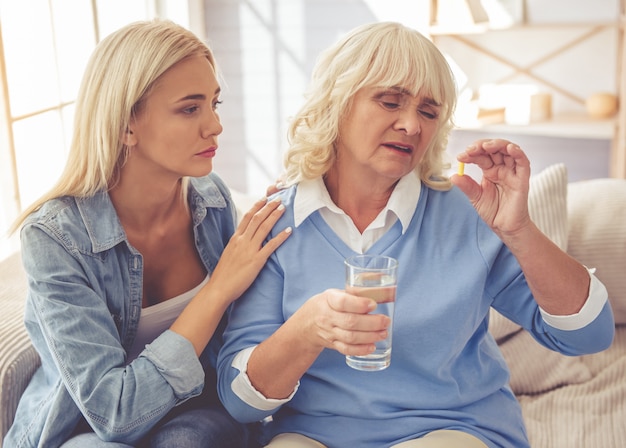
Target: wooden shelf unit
564,126
570,125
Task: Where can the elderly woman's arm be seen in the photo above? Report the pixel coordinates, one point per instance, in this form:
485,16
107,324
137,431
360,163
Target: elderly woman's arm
559,283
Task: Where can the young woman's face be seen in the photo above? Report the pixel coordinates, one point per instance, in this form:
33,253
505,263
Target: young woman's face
176,130
386,132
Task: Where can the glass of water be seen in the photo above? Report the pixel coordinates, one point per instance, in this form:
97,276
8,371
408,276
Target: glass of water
373,276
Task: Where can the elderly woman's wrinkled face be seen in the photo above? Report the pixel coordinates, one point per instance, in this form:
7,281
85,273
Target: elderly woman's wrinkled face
387,131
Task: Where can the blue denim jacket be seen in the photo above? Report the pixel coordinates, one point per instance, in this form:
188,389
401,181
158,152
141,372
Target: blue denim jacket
82,311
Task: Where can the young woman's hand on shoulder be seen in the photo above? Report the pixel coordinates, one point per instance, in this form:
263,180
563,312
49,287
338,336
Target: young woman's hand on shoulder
245,253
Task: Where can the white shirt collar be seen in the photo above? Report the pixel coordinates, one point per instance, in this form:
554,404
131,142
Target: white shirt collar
312,195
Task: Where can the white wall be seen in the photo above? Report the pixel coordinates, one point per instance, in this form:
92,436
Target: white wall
266,50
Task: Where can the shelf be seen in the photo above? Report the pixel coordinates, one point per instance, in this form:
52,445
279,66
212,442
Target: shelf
480,28
566,126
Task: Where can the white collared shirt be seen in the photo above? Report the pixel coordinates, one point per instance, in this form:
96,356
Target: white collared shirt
312,195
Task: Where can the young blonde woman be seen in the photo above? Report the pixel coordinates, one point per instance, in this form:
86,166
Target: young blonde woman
133,257
366,160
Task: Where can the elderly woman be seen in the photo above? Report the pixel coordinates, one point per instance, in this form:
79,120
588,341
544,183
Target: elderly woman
367,174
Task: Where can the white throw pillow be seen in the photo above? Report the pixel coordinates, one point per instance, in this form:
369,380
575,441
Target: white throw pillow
547,203
597,234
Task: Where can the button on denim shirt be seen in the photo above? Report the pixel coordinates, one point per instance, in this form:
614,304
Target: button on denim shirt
82,312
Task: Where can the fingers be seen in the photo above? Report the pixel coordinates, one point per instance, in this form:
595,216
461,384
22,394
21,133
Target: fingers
495,154
354,342
495,150
467,185
263,221
351,330
245,254
276,187
272,189
475,154
275,242
253,230
343,302
258,205
260,219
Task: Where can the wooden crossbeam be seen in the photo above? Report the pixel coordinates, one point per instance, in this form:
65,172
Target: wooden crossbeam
618,149
527,70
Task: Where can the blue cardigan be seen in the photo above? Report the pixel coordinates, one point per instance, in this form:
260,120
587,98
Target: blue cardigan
446,369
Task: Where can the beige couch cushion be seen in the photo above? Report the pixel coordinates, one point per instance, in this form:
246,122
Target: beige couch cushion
18,359
597,234
547,203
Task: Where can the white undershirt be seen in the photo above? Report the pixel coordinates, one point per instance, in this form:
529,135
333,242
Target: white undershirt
155,319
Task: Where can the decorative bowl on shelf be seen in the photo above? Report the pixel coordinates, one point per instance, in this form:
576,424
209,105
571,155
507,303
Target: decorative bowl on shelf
601,105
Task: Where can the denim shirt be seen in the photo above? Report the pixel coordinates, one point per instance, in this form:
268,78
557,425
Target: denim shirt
82,312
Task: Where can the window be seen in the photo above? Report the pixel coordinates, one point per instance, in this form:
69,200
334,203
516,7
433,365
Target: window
44,47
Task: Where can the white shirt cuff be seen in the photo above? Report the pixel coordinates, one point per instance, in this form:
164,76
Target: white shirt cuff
243,388
598,296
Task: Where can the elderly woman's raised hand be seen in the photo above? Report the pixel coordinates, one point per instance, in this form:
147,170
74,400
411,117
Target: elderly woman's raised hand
501,198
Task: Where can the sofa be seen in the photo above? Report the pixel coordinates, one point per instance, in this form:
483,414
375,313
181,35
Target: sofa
567,402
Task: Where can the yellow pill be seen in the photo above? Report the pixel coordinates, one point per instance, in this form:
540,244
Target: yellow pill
461,168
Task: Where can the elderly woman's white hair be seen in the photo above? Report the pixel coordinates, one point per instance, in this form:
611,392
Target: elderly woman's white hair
383,54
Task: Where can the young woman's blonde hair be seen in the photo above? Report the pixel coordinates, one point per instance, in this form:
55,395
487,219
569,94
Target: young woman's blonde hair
119,76
383,55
